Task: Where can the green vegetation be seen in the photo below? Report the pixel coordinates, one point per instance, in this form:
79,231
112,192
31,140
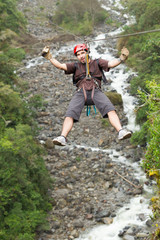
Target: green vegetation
145,59
79,17
23,185
153,125
105,122
10,17
24,179
115,98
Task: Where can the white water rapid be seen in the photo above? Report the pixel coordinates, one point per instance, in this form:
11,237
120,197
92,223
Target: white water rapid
127,215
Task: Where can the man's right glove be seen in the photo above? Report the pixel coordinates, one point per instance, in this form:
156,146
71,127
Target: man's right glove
46,53
124,54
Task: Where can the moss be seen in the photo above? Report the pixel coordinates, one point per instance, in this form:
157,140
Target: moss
115,98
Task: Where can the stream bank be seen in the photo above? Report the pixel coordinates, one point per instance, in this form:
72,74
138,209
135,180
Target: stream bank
88,187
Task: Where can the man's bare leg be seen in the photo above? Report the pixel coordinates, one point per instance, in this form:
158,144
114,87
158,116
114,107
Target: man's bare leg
67,126
114,120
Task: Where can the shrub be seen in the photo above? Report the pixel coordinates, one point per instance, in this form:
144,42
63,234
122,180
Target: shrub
17,54
23,184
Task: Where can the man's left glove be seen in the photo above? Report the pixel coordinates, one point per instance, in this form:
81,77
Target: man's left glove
46,53
124,54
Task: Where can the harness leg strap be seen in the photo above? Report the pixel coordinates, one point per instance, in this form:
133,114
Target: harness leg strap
92,92
84,92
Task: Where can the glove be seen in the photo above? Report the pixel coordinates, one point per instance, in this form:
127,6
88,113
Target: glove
46,53
124,54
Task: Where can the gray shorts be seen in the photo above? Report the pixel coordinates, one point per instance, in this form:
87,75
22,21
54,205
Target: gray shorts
100,100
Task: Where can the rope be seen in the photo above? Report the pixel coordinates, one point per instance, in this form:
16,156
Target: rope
126,35
102,39
111,37
68,32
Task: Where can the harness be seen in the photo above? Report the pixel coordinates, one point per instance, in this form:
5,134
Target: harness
88,77
103,78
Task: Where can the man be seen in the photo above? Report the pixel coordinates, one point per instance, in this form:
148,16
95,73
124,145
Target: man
88,89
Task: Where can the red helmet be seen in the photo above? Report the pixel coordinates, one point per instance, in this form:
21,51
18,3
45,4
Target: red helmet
80,47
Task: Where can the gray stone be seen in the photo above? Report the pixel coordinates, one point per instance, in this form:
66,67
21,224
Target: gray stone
128,237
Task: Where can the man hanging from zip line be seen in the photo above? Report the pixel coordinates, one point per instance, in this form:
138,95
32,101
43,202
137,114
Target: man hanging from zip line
87,78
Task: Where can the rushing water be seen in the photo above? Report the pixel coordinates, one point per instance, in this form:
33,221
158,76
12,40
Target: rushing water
125,216
128,215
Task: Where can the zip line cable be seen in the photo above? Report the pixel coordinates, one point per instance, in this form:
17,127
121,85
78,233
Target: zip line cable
126,35
67,31
107,37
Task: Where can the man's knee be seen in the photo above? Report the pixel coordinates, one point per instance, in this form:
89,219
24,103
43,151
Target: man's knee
111,112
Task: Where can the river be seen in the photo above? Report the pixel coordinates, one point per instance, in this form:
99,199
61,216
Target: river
127,215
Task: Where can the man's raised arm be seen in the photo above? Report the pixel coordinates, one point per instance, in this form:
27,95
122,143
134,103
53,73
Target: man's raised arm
123,57
46,54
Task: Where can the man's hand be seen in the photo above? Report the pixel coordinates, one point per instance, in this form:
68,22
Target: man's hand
46,53
124,54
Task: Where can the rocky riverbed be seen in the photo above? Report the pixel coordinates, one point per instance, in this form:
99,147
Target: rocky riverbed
88,185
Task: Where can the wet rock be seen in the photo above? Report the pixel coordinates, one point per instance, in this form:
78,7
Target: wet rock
149,223
128,237
142,217
107,221
122,232
142,235
130,78
102,214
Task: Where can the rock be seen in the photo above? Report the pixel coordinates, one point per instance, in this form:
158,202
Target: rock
142,235
61,203
89,216
42,114
142,216
115,98
149,223
107,220
102,214
138,191
78,223
49,143
74,233
128,237
56,224
62,192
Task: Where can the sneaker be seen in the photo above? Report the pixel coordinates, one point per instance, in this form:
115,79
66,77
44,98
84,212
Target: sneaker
124,134
61,141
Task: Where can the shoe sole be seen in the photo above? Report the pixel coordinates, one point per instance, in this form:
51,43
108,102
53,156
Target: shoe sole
58,143
126,136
